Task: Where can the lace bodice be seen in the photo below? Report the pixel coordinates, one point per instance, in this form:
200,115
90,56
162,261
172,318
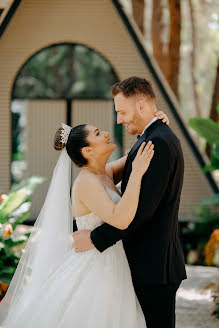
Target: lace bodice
90,221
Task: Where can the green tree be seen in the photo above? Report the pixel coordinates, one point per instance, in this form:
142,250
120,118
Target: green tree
65,71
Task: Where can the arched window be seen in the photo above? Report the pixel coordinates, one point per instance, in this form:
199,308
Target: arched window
66,72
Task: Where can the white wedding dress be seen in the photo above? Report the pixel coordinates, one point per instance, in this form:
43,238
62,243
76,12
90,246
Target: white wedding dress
88,290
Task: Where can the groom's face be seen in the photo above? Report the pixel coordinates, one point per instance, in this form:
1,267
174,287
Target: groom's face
127,113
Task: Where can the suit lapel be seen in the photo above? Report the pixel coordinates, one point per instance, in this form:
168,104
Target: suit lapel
145,135
137,144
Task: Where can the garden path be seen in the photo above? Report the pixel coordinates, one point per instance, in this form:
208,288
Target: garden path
194,302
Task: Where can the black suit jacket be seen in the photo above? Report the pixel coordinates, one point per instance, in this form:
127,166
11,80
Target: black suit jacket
152,242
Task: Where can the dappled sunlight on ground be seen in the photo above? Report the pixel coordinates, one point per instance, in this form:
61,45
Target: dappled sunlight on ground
194,298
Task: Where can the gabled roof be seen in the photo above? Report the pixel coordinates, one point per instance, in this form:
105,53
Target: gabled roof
8,9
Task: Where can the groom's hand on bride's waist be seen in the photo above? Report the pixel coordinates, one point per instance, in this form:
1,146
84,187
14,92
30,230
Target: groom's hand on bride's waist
82,241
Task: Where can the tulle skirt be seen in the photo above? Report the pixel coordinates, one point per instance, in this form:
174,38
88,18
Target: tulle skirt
88,290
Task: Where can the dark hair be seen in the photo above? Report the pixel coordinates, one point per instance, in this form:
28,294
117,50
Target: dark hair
77,139
133,86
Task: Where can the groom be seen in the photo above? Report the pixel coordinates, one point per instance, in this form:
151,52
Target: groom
151,242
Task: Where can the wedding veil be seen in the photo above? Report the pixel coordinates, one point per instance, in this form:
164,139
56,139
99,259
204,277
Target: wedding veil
48,243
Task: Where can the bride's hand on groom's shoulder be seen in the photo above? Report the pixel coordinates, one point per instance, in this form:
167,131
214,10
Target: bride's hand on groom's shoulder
143,158
162,116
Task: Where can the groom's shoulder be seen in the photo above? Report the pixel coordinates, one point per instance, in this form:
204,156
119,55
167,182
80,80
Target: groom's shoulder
163,132
165,136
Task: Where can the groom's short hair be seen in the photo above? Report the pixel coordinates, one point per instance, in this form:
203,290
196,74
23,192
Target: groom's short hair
133,86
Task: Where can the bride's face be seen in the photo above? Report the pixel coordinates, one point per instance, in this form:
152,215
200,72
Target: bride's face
99,141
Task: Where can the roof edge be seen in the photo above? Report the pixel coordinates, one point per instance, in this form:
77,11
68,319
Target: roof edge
9,16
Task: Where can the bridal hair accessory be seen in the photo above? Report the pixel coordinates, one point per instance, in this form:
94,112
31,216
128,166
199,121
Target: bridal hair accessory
66,129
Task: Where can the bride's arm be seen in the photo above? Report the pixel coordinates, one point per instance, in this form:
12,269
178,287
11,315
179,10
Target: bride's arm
115,168
95,197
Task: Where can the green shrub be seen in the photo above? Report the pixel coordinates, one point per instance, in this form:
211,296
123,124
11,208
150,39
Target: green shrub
14,210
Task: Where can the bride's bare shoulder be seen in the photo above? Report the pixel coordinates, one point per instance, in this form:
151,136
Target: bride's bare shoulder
87,180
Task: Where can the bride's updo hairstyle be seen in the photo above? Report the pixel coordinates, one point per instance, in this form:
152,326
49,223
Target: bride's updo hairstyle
76,141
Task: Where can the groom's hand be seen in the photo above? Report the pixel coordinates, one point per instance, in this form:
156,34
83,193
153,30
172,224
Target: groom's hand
82,241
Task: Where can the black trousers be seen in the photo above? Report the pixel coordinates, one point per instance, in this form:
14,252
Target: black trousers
158,304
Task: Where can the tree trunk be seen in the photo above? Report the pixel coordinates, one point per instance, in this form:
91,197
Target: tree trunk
215,101
156,29
138,13
215,98
174,44
193,60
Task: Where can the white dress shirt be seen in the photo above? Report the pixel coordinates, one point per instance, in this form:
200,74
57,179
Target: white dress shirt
147,126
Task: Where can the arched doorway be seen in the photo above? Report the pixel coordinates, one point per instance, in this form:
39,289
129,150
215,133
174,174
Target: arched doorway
61,83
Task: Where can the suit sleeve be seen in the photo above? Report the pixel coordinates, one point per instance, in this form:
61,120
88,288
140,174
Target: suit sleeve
75,228
153,186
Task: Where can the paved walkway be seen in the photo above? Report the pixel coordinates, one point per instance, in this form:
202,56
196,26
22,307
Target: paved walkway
194,303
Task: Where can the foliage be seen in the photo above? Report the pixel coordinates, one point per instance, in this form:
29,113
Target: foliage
208,211
209,214
209,207
205,128
210,247
209,256
3,289
14,210
209,130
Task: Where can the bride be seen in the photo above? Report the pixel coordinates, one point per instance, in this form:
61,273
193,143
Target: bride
54,286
